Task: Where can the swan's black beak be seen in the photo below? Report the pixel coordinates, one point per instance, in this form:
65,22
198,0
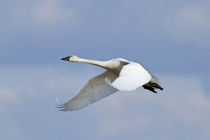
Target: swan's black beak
66,58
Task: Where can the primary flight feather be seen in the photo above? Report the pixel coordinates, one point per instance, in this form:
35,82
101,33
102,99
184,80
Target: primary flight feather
120,75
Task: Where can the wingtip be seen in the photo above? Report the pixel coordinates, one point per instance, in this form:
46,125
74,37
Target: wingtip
57,101
60,106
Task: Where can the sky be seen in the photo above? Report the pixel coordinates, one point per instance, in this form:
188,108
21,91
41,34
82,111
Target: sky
169,38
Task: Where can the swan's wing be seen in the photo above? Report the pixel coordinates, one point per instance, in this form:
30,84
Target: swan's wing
131,76
94,90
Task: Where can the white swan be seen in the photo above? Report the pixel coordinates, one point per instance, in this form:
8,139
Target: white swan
121,75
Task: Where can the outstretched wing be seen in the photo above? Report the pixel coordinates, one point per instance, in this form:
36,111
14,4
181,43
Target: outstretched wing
94,90
131,76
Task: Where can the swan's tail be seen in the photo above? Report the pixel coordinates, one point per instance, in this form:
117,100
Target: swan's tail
153,84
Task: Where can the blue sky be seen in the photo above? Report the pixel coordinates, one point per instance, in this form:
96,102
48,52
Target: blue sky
169,38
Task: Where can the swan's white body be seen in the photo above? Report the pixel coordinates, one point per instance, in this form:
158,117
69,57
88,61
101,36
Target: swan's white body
121,75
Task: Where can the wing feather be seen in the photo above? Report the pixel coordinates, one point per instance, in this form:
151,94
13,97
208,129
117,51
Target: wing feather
94,90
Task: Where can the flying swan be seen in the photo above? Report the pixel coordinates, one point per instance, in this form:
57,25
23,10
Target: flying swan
120,75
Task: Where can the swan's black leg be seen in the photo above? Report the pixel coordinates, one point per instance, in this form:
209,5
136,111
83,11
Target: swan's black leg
155,85
149,88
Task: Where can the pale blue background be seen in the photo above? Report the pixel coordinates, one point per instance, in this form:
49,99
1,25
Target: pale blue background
169,38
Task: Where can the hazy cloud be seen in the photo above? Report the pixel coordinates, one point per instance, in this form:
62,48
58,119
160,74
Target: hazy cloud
165,36
7,96
37,14
163,113
191,23
51,13
181,111
165,30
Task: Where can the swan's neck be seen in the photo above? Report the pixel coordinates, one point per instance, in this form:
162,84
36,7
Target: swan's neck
102,64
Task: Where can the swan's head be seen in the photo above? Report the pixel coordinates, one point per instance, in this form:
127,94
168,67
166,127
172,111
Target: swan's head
71,58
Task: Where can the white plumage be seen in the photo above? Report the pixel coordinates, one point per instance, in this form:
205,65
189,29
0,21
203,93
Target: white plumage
131,76
121,75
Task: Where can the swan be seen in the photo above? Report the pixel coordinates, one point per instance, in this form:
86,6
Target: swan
120,75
